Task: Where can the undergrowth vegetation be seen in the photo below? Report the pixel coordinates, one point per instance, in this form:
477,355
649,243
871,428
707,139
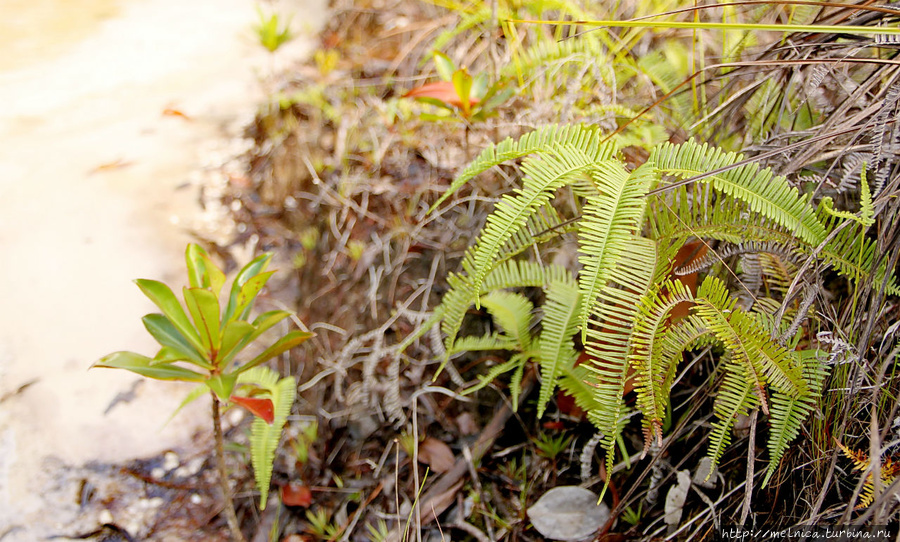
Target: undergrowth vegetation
527,230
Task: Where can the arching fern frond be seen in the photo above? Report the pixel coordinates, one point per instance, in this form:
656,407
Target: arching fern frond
646,357
509,149
264,437
560,323
789,411
766,194
608,227
736,397
512,313
609,333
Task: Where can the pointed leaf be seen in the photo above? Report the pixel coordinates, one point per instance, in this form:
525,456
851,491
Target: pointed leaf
204,308
192,396
444,66
235,336
292,339
255,267
248,292
202,272
166,334
222,384
144,366
163,298
262,408
462,83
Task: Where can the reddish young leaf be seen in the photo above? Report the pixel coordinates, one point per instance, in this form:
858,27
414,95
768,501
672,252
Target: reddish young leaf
442,91
296,494
259,407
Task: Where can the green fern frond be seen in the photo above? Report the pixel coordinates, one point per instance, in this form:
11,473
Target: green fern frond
512,313
736,397
646,357
509,149
608,334
264,437
765,360
789,411
523,274
766,194
560,323
475,343
515,363
608,228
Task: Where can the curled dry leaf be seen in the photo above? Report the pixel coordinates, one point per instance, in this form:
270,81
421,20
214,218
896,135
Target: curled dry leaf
296,494
436,454
568,513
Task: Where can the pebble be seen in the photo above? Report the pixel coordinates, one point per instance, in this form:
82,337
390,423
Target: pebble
171,461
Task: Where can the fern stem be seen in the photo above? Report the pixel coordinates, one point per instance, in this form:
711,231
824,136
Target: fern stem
230,514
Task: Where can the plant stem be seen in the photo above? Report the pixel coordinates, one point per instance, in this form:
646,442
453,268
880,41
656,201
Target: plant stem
230,514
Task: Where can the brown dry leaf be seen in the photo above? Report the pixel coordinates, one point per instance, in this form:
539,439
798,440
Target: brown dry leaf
436,454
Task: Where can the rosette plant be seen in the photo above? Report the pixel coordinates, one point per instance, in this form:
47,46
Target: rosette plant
202,340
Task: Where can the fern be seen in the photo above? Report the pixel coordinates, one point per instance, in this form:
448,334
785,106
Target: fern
789,411
619,299
557,353
264,437
771,196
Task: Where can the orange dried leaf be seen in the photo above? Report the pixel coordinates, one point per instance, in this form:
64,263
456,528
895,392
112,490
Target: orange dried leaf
259,407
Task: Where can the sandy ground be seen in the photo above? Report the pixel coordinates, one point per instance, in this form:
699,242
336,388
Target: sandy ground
97,186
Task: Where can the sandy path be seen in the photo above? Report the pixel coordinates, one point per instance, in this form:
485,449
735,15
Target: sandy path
94,190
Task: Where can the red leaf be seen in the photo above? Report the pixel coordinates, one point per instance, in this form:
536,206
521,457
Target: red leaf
259,407
296,494
441,90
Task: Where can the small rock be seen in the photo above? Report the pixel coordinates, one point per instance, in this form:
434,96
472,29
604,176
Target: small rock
170,461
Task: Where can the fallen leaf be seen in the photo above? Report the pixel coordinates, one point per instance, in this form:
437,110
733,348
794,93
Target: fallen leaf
259,407
436,454
675,498
568,513
296,494
443,91
110,166
171,112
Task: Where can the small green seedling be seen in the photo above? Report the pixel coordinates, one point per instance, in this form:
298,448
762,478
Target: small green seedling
470,98
270,32
201,342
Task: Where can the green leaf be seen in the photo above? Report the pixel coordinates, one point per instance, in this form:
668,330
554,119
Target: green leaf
202,272
248,292
255,267
292,339
163,298
192,396
144,366
479,86
444,66
462,82
262,324
166,334
235,336
204,308
222,384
